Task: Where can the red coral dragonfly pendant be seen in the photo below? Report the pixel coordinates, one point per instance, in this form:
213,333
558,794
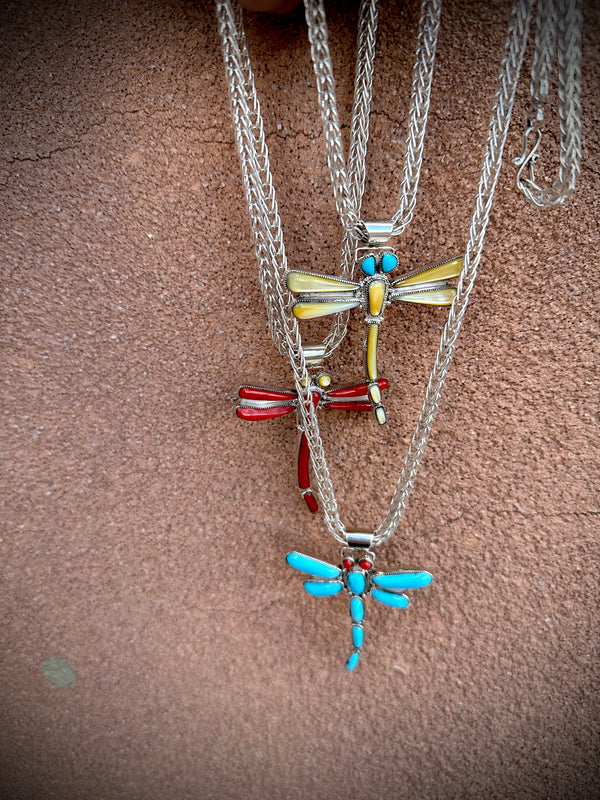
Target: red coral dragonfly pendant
258,403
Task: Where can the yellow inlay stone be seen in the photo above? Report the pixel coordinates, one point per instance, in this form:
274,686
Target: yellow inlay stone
372,352
312,310
433,297
449,269
303,282
380,415
324,380
375,393
376,297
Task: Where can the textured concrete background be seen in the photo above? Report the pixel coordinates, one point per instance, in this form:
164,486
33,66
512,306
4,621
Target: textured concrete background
145,526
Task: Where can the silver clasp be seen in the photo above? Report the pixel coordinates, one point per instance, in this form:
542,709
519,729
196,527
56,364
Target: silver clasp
528,158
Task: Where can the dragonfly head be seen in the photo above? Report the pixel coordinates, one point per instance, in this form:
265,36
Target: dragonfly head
379,263
353,560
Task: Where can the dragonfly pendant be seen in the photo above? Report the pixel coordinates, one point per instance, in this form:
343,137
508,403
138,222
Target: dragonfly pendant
358,578
321,295
257,403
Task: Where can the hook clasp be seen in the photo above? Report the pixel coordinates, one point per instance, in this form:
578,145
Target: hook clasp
528,158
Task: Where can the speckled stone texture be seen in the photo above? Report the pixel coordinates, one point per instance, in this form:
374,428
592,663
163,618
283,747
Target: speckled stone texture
145,526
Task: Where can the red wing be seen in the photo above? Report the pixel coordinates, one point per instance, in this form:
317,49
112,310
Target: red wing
251,414
350,405
358,390
270,395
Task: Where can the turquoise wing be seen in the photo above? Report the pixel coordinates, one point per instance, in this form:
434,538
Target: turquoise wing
399,581
323,588
312,566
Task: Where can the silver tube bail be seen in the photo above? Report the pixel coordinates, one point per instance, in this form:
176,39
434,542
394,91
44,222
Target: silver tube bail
379,232
359,539
314,354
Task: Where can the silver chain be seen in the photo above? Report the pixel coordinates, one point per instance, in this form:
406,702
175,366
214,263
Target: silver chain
558,31
266,224
348,194
348,187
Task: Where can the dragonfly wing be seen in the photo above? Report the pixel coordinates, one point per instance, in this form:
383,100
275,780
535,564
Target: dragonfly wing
321,308
428,297
251,414
399,581
309,282
350,405
390,598
312,566
440,272
323,588
357,390
269,395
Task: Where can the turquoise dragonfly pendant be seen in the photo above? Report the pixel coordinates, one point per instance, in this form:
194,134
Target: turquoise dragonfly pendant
356,576
321,295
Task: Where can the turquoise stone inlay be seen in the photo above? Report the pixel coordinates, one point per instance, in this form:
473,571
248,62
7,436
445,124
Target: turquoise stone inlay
389,262
358,578
352,661
389,599
323,588
320,569
368,265
403,580
358,636
356,582
357,609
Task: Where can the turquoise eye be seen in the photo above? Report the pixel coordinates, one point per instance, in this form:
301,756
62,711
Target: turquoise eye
368,265
389,262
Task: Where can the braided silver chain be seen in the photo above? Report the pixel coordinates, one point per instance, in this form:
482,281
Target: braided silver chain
558,30
508,78
266,224
268,240
348,187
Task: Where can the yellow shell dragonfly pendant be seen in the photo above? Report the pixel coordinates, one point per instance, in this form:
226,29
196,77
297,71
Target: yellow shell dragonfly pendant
321,295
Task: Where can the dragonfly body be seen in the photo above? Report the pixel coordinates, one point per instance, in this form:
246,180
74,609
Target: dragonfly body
258,403
321,295
357,577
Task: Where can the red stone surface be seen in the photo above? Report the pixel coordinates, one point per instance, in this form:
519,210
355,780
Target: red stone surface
254,393
311,502
349,405
358,390
251,414
303,463
131,314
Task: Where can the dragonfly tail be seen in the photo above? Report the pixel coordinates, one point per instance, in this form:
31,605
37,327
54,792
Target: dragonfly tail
373,387
357,611
303,475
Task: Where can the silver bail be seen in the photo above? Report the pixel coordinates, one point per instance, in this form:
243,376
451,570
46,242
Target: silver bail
314,354
359,539
379,232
